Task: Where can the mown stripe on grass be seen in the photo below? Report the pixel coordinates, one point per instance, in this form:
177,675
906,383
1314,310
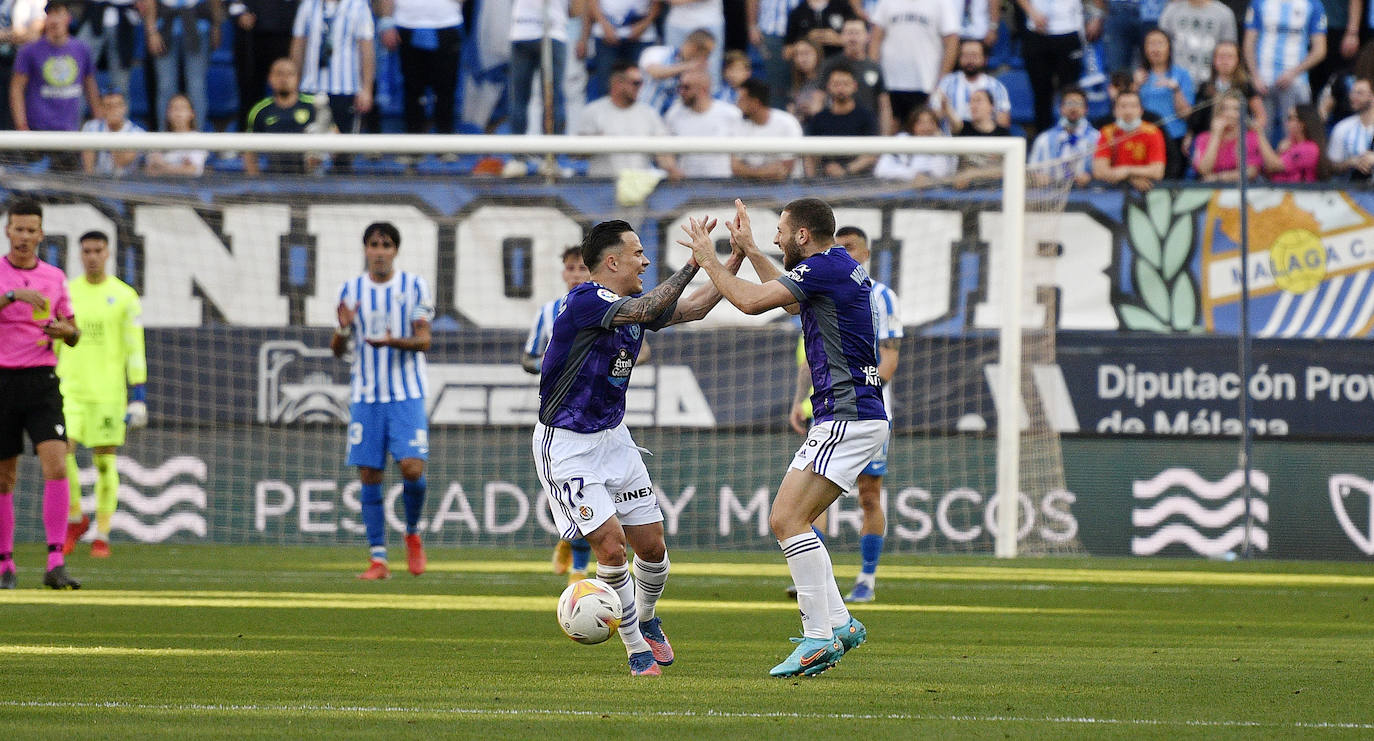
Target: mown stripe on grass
347,601
90,651
309,709
1230,577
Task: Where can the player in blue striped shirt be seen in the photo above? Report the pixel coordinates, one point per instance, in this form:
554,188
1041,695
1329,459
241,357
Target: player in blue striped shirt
389,310
569,557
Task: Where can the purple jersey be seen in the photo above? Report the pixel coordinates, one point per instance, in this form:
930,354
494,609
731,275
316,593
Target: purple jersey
588,361
840,329
57,75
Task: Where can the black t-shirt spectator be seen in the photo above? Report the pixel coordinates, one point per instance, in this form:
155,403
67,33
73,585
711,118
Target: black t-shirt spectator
867,74
858,122
804,19
269,118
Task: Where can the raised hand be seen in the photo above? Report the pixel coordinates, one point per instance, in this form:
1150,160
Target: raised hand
699,239
741,233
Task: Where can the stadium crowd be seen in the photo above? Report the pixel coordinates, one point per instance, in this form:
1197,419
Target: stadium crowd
1105,91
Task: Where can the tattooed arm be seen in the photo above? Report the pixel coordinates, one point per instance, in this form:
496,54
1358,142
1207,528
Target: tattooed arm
648,307
702,300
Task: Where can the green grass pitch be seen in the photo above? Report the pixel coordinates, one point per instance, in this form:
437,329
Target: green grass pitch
211,641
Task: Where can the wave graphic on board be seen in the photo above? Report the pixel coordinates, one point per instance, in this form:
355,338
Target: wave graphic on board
1187,520
155,516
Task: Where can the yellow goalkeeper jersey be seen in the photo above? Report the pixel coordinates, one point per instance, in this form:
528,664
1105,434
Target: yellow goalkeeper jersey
109,357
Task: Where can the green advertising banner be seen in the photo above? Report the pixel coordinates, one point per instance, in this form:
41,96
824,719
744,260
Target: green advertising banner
262,485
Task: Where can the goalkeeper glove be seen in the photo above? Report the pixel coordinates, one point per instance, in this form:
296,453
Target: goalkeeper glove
136,416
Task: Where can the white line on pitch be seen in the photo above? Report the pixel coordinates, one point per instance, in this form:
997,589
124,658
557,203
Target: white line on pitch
498,712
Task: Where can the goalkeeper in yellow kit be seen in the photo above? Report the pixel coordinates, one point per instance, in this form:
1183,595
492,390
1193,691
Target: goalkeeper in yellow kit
102,385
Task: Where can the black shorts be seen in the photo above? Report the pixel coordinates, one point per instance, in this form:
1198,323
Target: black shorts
30,401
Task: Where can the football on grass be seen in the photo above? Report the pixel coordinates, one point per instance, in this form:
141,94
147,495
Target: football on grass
589,611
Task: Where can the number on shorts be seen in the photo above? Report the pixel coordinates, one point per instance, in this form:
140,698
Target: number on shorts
572,488
355,433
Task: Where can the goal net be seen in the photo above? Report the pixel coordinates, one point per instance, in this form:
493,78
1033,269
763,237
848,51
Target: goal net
239,277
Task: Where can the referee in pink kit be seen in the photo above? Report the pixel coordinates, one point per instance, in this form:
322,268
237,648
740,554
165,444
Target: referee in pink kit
35,310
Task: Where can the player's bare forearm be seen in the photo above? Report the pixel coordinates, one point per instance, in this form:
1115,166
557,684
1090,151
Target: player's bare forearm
648,307
803,385
701,301
748,297
887,359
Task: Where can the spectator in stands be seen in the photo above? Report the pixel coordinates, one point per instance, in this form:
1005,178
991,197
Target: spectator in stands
1343,20
915,43
110,29
979,20
842,117
737,69
1216,152
872,93
262,35
180,36
1301,156
923,170
760,120
526,55
21,21
1130,149
696,113
1353,138
807,95
1167,91
1283,39
1053,50
1333,103
623,30
1194,28
621,114
332,45
819,21
685,18
181,119
50,76
980,168
767,20
113,119
1065,151
1228,73
662,65
429,35
952,95
286,111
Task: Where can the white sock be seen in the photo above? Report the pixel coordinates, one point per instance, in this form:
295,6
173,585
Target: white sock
869,579
809,563
649,580
618,577
838,614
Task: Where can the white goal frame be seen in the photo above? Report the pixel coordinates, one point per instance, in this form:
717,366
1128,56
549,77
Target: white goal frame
1011,149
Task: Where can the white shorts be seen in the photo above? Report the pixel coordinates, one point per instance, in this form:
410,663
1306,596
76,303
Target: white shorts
590,476
840,451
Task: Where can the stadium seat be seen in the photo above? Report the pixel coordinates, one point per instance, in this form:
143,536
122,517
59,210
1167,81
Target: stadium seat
1018,87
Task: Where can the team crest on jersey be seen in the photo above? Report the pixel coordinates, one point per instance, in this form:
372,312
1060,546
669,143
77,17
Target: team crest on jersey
607,295
634,331
585,512
621,367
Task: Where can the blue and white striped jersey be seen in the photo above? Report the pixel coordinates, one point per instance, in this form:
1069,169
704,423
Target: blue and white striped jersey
1069,149
1284,30
382,374
888,327
773,16
542,329
1349,138
956,88
332,31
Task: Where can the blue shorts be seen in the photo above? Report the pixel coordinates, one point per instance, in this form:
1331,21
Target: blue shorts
396,427
878,466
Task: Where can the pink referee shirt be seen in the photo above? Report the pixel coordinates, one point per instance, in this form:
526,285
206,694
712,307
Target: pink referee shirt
22,342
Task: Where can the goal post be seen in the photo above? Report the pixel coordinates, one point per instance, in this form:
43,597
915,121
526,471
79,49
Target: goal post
1007,281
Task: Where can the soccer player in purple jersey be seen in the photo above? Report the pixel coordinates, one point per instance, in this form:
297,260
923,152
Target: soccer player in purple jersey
834,296
390,311
590,467
35,310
